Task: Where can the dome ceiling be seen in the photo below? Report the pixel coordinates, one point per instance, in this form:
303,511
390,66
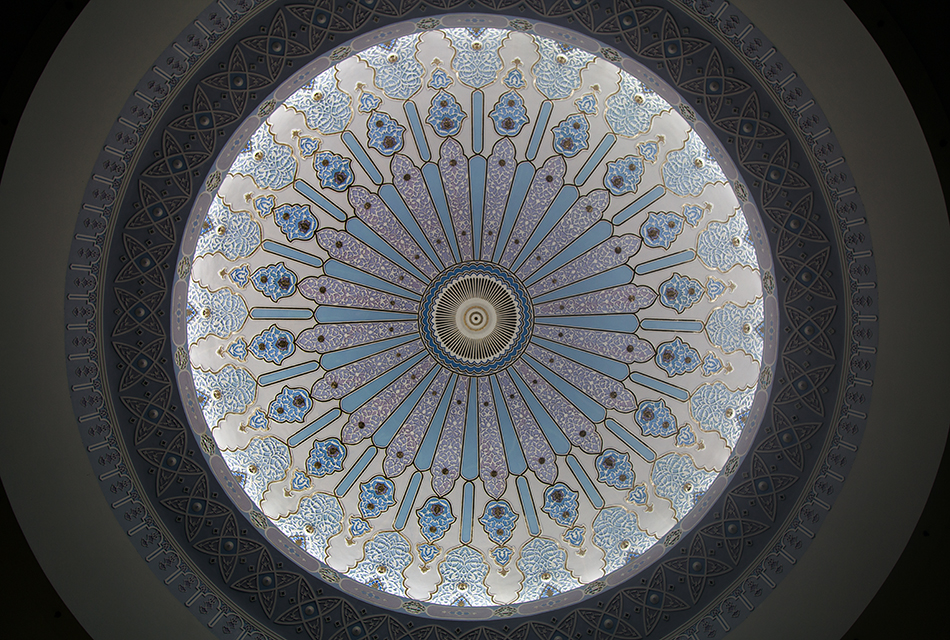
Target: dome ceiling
134,367
475,317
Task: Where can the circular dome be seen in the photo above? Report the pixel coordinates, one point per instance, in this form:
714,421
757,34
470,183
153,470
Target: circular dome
476,317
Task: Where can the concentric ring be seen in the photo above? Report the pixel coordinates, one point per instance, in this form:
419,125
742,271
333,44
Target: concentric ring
476,318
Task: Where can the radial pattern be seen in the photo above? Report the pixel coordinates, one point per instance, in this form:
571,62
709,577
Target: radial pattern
475,318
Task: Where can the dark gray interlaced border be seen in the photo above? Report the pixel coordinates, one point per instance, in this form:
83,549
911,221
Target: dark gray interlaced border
123,373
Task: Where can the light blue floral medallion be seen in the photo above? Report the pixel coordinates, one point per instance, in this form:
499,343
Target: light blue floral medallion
368,102
333,171
385,558
543,564
614,469
233,234
435,518
502,555
317,519
275,281
499,521
712,364
574,536
693,214
557,72
631,110
376,496
296,221
686,437
680,293
397,73
476,59
560,503
509,114
638,496
655,418
724,245
618,534
428,552
308,145
262,461
677,357
326,457
359,527
238,349
689,170
440,80
263,205
649,151
571,135
269,163
240,276
273,345
733,328
258,421
717,408
715,288
326,108
463,574
385,134
445,114
290,405
679,480
214,313
515,79
661,229
624,175
587,104
300,481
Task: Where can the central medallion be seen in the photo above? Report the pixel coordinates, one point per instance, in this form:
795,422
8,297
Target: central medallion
476,318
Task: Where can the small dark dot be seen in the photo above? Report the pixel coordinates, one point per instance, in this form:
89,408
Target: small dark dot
550,178
582,433
407,177
338,244
493,474
541,461
501,163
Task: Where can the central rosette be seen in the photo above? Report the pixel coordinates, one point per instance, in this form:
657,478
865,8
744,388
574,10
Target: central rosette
476,318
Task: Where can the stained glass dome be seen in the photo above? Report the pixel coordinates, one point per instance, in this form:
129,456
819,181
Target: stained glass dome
475,318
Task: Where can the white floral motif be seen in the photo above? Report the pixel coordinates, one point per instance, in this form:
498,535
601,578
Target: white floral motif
398,73
463,574
318,519
558,71
263,461
687,171
214,313
476,59
716,408
723,245
618,533
326,108
630,111
543,564
386,557
733,328
270,163
677,479
232,233
231,390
